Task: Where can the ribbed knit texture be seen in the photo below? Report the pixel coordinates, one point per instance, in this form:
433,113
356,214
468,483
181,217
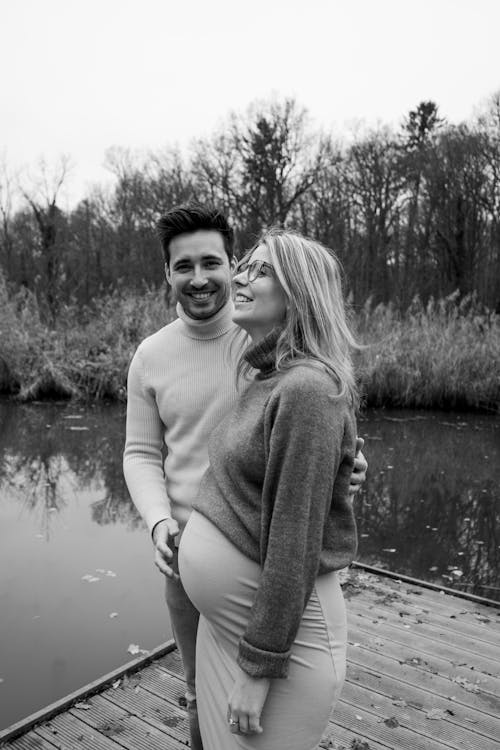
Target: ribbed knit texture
277,487
181,383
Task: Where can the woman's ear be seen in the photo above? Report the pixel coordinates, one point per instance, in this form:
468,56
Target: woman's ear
167,274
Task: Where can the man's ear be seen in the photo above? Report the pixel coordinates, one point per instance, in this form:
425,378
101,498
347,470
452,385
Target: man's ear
233,263
167,274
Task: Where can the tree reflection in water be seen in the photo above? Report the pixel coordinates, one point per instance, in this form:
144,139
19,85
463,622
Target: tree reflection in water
430,508
48,452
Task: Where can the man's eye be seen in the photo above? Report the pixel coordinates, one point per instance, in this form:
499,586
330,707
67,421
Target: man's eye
212,264
182,269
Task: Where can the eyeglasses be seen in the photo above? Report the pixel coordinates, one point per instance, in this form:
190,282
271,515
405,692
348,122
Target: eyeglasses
255,270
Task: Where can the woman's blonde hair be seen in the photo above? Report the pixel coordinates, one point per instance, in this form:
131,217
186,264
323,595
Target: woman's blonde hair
316,328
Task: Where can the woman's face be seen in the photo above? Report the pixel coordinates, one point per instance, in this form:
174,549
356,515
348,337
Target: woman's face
259,300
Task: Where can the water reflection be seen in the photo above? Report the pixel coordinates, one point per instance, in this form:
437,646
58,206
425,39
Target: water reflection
72,551
429,509
431,504
50,451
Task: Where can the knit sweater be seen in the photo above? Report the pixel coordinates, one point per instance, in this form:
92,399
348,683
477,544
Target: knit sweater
277,488
181,383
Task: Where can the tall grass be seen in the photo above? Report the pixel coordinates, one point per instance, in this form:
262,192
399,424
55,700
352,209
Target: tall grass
445,354
85,355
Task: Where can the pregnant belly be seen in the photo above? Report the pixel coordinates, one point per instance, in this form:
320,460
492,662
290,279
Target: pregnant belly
220,581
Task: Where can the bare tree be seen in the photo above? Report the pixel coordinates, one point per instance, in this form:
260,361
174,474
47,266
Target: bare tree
7,190
41,191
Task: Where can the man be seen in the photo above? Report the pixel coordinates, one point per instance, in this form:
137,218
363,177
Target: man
181,383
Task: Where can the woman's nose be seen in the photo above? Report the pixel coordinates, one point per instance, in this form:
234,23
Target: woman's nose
241,278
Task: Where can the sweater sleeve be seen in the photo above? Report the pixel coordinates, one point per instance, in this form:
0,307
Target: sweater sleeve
142,458
304,437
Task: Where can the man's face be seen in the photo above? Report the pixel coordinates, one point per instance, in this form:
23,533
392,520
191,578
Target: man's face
199,272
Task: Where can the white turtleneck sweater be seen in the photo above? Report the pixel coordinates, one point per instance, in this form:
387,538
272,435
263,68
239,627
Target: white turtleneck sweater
181,383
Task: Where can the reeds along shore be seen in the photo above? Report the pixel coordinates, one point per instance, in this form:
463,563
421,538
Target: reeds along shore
445,354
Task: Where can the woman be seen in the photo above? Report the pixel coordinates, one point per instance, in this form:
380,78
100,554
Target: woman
273,521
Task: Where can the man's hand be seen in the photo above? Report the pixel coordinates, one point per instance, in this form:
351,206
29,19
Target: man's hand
246,702
358,475
163,539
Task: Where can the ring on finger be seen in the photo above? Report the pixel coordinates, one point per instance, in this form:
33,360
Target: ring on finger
233,722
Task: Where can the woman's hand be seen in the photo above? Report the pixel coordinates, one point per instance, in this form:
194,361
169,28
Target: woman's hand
246,702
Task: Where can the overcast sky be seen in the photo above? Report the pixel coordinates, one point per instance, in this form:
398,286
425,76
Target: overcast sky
79,76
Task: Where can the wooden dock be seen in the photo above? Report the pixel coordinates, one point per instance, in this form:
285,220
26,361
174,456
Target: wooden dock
423,674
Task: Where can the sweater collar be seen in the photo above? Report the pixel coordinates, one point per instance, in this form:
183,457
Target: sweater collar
262,355
210,328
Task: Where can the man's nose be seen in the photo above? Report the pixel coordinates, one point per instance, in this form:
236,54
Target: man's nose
199,278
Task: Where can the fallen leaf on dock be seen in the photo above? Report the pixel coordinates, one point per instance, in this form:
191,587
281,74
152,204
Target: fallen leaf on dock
391,722
482,618
359,745
469,686
83,706
116,684
435,713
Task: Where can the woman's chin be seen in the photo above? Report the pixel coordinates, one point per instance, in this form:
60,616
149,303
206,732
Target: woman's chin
240,316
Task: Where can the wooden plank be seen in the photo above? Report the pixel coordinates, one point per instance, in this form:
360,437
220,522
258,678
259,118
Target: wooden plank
469,620
422,624
31,741
129,731
356,583
413,721
70,732
442,686
152,709
338,737
82,693
383,573
416,656
368,725
163,683
173,662
425,643
423,698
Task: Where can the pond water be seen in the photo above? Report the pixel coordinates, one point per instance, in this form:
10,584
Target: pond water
77,583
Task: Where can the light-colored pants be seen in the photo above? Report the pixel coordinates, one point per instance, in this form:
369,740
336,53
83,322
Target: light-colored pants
184,620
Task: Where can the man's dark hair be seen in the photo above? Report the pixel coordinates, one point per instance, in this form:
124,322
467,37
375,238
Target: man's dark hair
190,217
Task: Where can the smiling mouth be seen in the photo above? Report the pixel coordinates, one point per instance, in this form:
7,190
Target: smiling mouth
241,298
200,296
